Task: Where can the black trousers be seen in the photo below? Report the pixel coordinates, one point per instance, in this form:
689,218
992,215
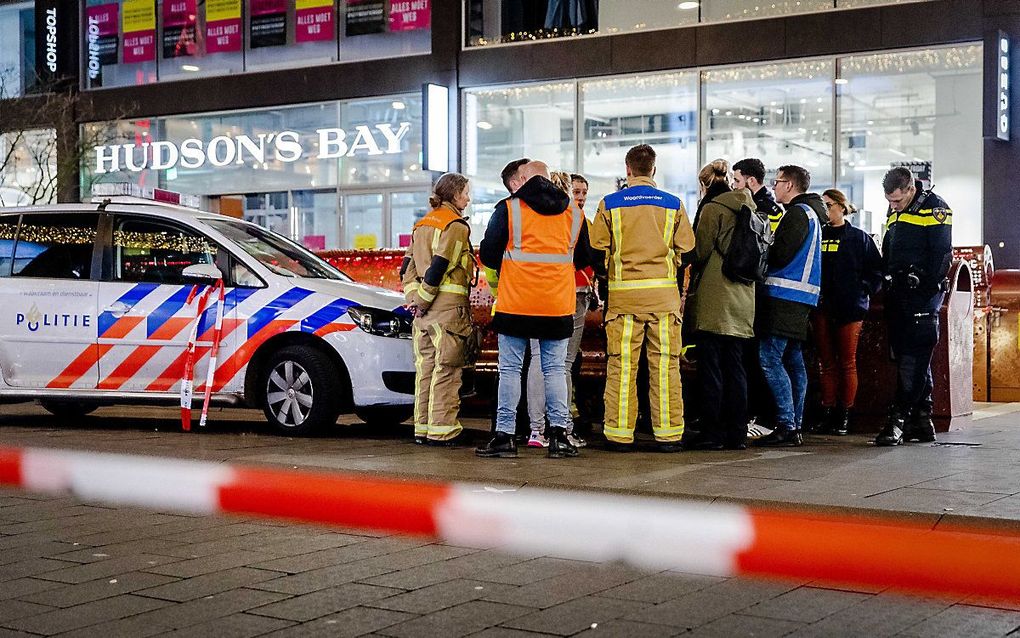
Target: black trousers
723,387
913,335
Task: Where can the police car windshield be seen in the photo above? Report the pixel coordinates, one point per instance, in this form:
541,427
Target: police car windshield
276,252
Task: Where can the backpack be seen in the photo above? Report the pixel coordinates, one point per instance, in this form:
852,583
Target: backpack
747,258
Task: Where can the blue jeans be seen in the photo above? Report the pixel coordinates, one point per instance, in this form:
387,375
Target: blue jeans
553,353
782,361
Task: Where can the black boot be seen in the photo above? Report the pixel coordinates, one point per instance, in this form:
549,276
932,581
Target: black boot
921,428
824,423
559,445
892,433
501,446
780,438
841,422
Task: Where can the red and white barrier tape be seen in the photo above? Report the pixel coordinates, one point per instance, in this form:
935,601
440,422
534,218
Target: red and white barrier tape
648,533
214,354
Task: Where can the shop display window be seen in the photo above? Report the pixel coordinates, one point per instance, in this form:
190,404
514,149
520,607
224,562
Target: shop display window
17,55
779,113
921,109
506,123
132,42
659,109
28,172
119,43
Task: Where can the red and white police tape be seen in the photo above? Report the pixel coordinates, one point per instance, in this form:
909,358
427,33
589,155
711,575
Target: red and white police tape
654,534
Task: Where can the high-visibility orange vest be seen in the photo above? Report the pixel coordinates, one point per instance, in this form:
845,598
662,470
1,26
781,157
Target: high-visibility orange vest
537,275
438,218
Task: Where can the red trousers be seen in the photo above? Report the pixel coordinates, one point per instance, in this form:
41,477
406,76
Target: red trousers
837,357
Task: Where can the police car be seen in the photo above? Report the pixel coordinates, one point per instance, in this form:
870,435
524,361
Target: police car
94,310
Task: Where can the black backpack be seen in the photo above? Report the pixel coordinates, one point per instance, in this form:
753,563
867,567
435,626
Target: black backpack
747,258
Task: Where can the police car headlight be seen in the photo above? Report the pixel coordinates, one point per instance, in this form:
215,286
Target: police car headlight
382,322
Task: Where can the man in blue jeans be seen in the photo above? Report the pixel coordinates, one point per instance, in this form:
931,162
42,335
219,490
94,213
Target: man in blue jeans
534,242
790,291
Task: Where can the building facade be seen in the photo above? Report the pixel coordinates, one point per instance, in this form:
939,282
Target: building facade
309,116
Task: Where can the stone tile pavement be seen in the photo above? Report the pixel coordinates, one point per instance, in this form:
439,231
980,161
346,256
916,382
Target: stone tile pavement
74,569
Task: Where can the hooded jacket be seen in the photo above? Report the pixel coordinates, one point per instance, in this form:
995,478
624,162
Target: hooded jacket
545,198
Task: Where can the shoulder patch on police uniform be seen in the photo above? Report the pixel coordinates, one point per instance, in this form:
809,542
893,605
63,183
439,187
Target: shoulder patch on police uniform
940,214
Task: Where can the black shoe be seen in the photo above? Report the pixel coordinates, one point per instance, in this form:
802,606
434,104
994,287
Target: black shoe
501,446
709,443
736,444
613,446
921,428
781,438
824,423
892,433
559,446
841,422
669,447
460,439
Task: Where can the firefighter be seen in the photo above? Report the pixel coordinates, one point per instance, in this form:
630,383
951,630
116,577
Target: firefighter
437,273
916,251
644,232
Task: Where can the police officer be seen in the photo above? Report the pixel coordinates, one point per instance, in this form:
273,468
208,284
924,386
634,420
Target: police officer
644,232
917,250
436,274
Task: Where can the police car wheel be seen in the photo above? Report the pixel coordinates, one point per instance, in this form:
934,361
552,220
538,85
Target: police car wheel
68,409
299,393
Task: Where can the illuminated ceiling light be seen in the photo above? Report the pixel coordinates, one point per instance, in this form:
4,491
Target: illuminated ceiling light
842,81
687,6
191,68
485,126
398,105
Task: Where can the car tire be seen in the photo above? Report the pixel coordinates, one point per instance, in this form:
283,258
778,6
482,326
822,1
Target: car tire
382,416
69,409
299,391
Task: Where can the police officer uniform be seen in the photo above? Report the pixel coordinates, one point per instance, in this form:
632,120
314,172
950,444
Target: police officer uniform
644,232
916,252
437,271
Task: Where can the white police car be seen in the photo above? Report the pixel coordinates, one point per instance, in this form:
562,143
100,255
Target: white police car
94,311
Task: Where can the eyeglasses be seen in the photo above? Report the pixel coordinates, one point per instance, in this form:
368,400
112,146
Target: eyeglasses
776,182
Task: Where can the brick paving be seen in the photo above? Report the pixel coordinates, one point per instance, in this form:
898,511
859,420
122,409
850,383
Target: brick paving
79,569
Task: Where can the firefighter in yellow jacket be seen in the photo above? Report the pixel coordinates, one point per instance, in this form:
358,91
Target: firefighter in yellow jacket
644,231
436,273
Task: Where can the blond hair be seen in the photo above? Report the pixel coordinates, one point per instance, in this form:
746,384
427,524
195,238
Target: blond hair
715,172
562,181
447,187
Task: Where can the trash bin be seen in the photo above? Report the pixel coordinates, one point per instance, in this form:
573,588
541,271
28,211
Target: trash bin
1004,337
982,269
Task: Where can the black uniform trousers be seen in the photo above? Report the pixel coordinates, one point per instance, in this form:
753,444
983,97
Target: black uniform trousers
913,335
723,387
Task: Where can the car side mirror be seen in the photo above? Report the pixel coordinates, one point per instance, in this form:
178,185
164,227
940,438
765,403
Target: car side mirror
202,274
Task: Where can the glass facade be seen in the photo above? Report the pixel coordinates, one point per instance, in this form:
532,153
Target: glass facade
132,42
489,22
28,167
17,53
331,175
847,120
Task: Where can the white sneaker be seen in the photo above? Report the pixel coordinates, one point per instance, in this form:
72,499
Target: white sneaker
537,439
757,431
576,441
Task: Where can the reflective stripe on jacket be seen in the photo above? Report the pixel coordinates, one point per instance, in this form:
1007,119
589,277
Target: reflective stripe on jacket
440,233
537,275
801,279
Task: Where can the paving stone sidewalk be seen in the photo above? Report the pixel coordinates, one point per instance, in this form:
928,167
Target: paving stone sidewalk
74,569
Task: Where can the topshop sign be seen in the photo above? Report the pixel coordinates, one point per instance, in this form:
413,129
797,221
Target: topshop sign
225,150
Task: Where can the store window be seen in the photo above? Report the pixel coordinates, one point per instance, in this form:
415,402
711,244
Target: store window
493,22
28,167
619,113
130,42
17,55
779,113
119,43
921,109
290,169
502,124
